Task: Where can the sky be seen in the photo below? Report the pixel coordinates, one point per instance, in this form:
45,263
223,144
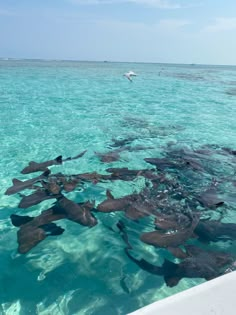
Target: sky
165,31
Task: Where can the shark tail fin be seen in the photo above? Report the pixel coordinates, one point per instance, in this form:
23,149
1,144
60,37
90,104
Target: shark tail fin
145,265
79,155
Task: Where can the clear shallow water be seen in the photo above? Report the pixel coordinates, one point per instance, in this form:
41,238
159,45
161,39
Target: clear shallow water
53,108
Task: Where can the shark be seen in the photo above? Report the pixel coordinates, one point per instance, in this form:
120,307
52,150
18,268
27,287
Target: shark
19,185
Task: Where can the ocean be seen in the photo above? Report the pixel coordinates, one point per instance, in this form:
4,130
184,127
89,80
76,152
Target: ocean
53,108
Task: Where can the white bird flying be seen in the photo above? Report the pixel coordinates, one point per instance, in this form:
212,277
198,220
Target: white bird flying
129,75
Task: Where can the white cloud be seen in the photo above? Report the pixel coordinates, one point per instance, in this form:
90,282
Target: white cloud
162,4
160,28
173,24
222,24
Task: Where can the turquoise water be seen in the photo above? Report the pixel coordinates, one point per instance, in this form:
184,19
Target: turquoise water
51,108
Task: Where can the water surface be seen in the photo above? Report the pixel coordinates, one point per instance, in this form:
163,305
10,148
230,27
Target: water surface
52,108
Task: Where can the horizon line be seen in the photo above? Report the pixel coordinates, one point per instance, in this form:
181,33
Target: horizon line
112,61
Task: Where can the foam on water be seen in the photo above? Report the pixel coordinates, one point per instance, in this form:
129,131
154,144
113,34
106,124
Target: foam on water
62,108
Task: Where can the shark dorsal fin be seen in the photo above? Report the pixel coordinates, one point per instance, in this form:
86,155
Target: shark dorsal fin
18,220
59,159
44,184
172,281
109,194
16,181
46,173
169,266
32,163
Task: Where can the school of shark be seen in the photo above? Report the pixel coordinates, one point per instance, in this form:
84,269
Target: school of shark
185,198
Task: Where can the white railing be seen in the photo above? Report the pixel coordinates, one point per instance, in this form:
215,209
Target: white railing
212,297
